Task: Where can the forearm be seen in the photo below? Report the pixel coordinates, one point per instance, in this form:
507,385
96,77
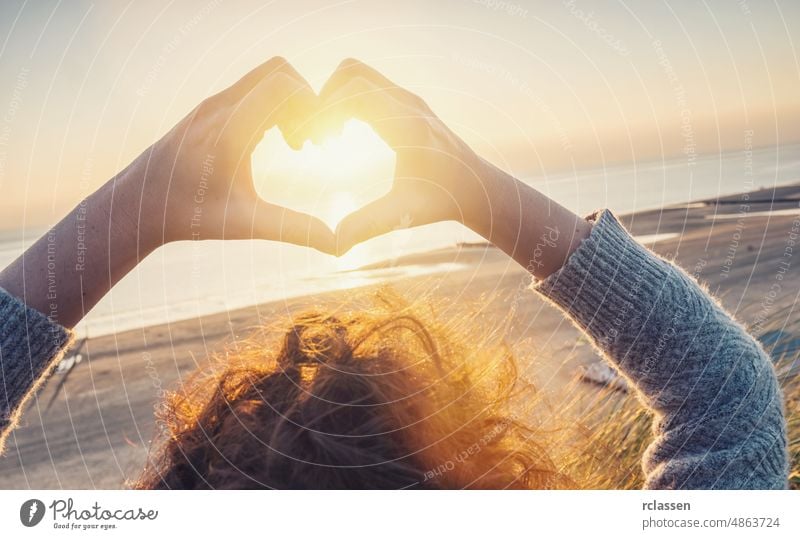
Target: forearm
57,280
69,269
534,230
718,409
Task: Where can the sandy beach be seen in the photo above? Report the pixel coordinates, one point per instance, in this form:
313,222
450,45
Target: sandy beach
96,430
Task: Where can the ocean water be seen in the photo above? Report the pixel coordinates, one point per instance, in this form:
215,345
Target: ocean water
185,280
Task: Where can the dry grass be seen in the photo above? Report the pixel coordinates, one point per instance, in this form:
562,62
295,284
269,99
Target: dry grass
614,429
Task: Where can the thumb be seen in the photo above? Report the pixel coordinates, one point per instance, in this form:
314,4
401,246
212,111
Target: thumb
376,218
277,223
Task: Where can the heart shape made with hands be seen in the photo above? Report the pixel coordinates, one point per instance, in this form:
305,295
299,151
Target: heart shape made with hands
328,180
351,179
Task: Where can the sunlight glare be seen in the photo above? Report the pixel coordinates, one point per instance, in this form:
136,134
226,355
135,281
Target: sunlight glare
328,180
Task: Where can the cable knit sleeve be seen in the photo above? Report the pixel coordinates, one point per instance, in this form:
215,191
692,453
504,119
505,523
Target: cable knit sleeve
30,346
719,421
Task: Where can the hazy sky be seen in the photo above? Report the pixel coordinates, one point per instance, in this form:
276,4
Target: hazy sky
534,86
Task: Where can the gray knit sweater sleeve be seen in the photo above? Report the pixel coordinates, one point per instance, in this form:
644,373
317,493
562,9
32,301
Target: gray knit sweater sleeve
30,346
718,408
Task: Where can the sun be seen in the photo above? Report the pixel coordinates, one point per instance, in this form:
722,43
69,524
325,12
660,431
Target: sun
328,180
339,206
356,147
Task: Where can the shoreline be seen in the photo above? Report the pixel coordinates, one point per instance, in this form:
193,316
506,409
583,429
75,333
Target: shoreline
101,419
786,197
435,261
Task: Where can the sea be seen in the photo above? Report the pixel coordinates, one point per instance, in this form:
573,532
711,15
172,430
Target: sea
190,279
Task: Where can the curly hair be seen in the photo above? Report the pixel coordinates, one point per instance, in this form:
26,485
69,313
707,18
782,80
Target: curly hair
383,400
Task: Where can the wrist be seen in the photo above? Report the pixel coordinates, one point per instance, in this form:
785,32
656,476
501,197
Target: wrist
126,219
137,205
487,203
534,230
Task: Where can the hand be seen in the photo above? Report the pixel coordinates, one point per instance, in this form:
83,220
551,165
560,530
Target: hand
197,181
194,183
437,176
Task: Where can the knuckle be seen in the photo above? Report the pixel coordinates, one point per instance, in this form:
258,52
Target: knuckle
415,100
280,82
207,106
350,64
359,85
279,78
277,63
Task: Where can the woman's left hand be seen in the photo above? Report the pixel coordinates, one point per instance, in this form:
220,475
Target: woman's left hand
193,184
196,182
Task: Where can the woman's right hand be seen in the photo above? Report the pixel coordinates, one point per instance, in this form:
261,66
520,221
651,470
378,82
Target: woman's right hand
439,178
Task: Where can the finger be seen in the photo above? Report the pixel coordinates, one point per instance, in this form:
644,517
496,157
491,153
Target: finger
301,107
359,98
357,90
376,218
352,69
276,223
243,86
279,99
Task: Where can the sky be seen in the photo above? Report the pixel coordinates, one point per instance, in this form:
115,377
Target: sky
534,87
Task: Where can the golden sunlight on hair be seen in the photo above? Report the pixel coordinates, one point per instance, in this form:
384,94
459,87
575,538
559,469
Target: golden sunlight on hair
390,399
